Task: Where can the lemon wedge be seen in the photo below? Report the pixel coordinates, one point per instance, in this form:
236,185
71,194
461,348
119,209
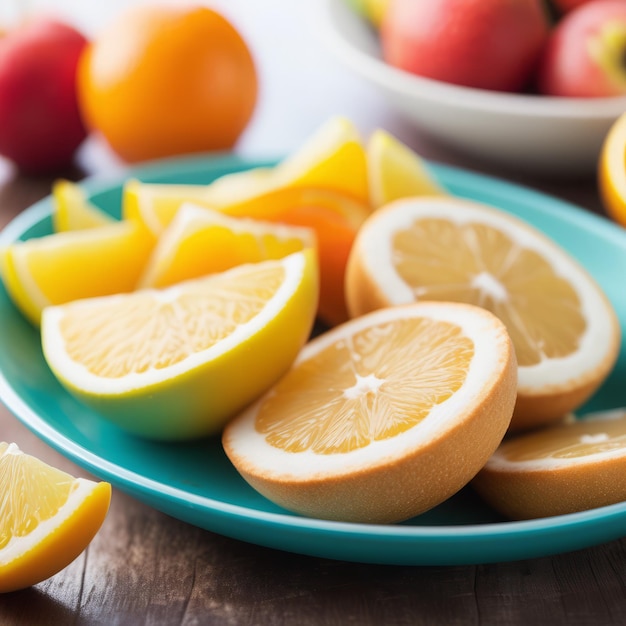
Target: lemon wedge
177,363
47,517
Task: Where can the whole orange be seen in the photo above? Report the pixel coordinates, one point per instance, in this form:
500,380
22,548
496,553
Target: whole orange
167,80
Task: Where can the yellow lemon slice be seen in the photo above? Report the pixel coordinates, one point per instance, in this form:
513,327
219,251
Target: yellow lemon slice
612,171
395,171
335,218
155,205
383,417
565,331
47,518
332,158
62,267
200,241
573,466
177,363
329,169
72,210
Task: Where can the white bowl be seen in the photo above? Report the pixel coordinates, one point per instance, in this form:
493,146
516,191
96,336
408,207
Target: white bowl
535,133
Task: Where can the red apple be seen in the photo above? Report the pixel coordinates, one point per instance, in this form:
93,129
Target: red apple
585,56
487,44
40,123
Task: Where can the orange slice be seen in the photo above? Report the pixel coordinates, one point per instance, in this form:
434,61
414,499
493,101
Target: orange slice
333,216
573,466
156,204
612,171
47,518
383,417
564,329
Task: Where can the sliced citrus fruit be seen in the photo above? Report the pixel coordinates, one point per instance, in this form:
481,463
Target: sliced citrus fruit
573,466
335,218
332,158
565,331
395,171
72,209
201,241
383,417
177,363
61,267
612,171
330,169
47,518
156,204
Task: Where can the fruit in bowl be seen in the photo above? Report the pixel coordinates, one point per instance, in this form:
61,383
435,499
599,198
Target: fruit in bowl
565,48
584,56
526,131
486,44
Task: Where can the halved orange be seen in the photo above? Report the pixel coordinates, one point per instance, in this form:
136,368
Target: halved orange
565,330
574,466
383,417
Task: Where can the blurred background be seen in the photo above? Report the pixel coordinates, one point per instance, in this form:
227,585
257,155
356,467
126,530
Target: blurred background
300,83
321,58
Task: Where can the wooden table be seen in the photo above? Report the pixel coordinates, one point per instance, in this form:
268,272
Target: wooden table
147,568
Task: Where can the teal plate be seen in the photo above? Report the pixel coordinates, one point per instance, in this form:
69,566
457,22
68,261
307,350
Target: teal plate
196,483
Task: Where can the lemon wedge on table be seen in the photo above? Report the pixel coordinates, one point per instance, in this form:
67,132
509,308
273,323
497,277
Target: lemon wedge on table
47,517
176,363
565,331
383,417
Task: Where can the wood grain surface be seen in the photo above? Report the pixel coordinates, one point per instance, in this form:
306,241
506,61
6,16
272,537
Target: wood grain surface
144,567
